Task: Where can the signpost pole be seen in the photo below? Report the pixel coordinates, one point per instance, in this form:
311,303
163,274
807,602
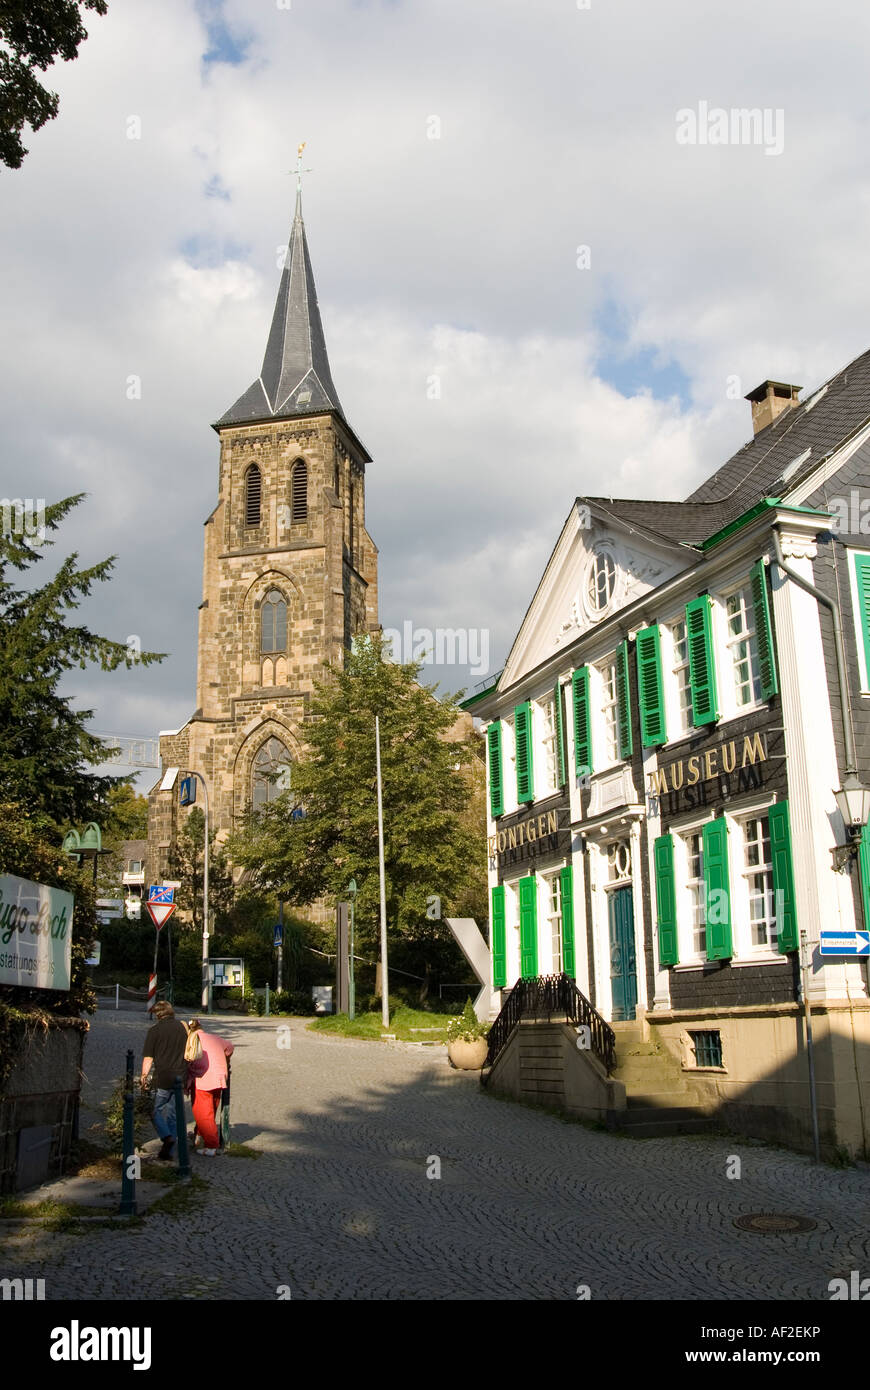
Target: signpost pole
385,984
281,947
805,978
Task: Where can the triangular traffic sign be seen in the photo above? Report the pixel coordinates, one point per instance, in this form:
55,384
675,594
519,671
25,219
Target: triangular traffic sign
160,913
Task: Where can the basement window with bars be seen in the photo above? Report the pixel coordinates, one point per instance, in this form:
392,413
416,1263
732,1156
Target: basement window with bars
707,1047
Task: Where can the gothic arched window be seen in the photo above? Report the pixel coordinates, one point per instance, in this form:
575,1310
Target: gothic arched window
253,487
299,492
270,774
273,622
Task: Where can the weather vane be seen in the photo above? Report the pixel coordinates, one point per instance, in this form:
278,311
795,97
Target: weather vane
299,170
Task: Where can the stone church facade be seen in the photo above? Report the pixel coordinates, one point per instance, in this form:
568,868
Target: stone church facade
289,574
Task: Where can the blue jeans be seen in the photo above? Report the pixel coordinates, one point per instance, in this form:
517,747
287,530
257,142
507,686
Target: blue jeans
164,1114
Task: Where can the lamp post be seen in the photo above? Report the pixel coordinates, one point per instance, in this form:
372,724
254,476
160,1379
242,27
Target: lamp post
385,984
351,986
186,800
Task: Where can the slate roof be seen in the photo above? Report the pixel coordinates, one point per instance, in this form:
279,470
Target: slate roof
819,424
295,378
682,522
822,421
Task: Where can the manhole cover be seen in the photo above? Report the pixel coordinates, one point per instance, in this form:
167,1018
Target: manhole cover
774,1223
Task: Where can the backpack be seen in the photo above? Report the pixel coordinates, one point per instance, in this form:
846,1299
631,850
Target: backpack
193,1047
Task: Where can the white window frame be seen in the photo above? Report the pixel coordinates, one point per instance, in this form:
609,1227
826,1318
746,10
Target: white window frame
602,756
553,885
679,720
723,643
509,765
545,752
746,952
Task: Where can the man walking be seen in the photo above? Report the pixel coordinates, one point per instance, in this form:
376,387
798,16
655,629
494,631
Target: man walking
164,1048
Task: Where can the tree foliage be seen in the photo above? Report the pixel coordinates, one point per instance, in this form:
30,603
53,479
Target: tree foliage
308,843
186,866
45,746
33,34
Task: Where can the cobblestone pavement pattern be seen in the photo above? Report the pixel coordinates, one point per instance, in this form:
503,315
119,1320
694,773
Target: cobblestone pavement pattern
339,1204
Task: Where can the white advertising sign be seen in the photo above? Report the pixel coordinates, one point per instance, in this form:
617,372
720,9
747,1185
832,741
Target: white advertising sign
35,934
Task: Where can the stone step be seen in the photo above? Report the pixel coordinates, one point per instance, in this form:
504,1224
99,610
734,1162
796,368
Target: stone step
664,1099
644,1063
655,1123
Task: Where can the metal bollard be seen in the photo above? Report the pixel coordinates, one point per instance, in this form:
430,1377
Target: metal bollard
128,1182
267,999
183,1169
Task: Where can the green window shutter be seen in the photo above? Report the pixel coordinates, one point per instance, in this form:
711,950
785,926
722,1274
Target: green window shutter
582,722
862,617
566,885
666,900
763,630
650,688
497,944
496,786
623,702
783,877
561,757
717,884
525,770
702,668
528,927
864,874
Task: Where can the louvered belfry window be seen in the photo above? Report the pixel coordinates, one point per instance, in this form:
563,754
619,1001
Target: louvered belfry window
253,489
299,492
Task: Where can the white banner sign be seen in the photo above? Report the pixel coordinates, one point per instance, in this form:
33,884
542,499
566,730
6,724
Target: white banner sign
35,934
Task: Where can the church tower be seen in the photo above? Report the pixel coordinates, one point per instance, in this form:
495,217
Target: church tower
290,571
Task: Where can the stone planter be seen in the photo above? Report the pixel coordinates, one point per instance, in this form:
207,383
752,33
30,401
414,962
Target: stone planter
468,1056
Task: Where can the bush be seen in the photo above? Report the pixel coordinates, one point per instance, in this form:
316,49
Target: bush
143,1109
468,1027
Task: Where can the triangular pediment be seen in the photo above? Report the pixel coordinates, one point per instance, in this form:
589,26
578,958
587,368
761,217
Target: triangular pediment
597,569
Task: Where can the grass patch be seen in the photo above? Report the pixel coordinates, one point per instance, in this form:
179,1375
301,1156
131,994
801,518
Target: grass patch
240,1151
184,1197
402,1021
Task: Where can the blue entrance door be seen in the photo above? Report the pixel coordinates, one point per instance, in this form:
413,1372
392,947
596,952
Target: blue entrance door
623,963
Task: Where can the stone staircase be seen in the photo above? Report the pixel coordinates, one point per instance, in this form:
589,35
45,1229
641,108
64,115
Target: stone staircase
660,1098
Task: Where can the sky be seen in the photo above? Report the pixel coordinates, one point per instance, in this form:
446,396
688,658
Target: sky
539,277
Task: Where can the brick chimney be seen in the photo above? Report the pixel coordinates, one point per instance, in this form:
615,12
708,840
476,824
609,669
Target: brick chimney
769,400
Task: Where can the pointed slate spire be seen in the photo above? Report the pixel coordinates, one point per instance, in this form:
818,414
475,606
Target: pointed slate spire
295,378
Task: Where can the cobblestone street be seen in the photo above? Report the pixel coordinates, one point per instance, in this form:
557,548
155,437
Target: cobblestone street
339,1204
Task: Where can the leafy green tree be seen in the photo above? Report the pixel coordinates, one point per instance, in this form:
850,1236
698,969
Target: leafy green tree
45,746
33,33
186,867
125,818
309,842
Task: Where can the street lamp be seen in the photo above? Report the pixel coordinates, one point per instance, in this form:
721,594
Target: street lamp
351,988
853,803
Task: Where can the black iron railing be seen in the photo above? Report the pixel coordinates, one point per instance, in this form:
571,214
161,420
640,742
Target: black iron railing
546,996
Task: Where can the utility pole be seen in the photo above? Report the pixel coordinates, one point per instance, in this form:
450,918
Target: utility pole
385,984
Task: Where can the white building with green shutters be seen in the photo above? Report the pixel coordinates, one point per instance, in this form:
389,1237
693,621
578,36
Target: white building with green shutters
677,750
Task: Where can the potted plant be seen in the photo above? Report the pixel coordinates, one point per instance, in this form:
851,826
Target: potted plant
466,1040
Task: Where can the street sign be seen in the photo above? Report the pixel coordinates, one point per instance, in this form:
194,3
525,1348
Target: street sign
160,912
109,909
188,791
160,893
844,943
279,935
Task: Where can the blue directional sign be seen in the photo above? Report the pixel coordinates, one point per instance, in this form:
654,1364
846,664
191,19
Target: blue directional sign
158,894
188,791
844,943
279,935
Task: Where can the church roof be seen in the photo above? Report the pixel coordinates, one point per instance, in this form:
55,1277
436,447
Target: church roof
295,378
